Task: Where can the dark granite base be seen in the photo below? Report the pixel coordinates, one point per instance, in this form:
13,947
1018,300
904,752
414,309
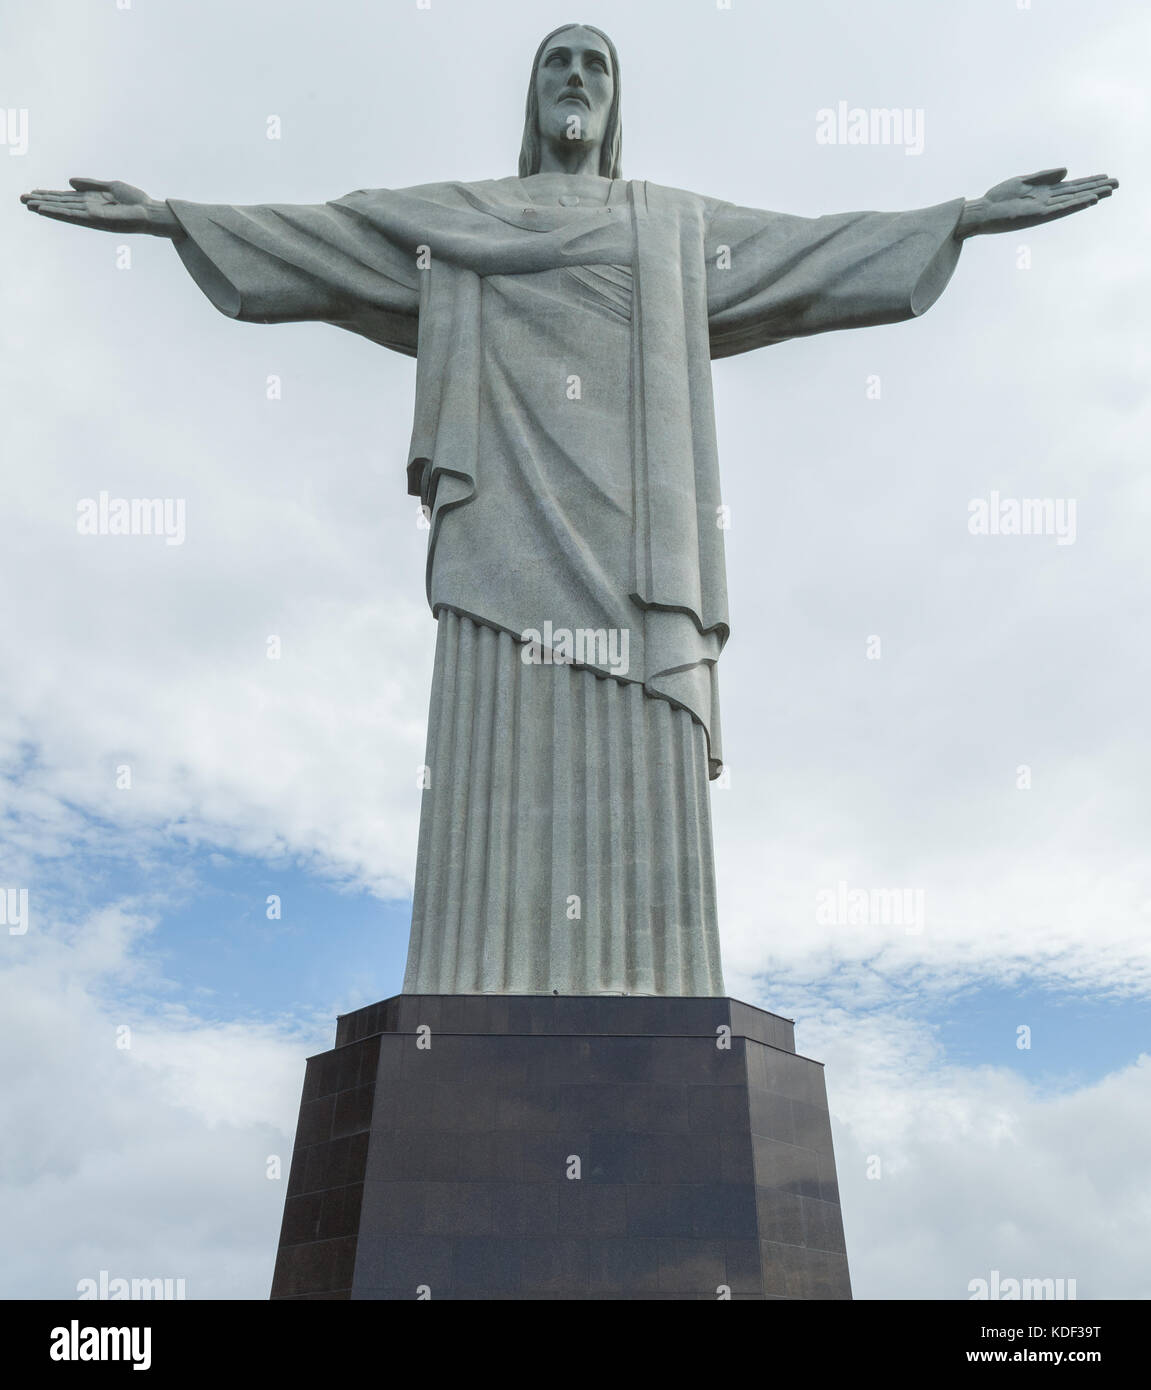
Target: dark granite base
449,1171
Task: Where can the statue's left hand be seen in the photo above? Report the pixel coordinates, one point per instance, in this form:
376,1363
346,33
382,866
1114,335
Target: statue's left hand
1033,198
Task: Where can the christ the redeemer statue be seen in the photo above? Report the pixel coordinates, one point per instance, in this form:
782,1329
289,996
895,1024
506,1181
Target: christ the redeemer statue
564,449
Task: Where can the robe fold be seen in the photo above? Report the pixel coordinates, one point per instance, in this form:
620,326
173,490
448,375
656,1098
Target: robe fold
564,446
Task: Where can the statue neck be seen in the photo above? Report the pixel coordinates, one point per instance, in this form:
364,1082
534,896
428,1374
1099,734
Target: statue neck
569,157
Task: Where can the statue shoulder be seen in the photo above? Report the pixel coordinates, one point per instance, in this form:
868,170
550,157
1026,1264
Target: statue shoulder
676,199
451,195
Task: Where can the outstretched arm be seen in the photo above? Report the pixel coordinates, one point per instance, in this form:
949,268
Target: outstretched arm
772,276
270,263
1031,199
107,205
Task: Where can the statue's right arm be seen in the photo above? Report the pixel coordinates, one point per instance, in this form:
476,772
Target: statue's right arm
276,263
107,206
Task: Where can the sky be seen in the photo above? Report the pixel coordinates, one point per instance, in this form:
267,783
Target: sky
992,758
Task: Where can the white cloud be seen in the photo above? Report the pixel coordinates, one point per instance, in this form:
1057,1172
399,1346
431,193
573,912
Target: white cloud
981,1170
147,1161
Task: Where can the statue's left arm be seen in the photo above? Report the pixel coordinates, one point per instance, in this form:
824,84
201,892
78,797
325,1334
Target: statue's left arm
772,276
1015,204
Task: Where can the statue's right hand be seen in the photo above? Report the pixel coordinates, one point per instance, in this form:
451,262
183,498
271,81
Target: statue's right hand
107,205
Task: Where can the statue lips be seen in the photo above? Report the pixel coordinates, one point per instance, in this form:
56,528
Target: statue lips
574,93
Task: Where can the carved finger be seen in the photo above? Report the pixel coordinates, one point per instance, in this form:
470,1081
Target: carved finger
1099,192
1046,176
1066,209
59,214
1076,185
64,209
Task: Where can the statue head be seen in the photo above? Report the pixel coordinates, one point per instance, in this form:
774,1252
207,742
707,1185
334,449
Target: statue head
573,95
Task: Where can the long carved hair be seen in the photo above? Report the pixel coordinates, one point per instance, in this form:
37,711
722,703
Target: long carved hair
609,155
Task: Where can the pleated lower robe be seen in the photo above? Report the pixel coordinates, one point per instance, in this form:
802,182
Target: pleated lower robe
565,835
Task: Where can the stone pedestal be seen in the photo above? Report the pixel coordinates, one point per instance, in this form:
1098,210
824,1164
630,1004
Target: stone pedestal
524,1147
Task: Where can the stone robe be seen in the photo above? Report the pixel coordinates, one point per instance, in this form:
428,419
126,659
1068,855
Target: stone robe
564,447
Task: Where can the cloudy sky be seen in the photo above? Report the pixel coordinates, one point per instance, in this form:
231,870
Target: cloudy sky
297,777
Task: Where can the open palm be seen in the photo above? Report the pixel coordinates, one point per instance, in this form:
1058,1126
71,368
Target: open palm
1034,198
105,204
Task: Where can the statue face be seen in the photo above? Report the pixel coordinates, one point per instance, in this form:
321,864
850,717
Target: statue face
574,87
